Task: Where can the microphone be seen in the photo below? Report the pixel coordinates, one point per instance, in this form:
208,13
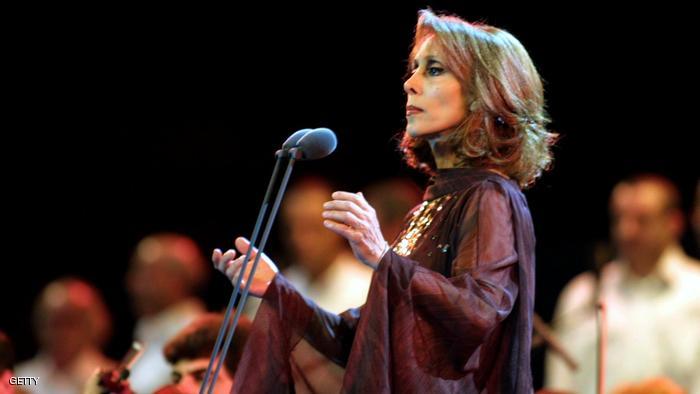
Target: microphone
293,139
291,142
317,144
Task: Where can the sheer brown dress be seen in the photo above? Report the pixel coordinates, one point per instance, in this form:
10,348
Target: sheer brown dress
449,308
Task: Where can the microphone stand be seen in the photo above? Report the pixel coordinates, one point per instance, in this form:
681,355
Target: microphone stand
602,343
547,335
294,155
601,254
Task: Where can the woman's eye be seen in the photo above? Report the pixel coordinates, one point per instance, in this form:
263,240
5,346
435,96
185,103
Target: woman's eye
435,71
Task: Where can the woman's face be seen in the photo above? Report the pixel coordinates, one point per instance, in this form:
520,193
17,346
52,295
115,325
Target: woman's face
435,102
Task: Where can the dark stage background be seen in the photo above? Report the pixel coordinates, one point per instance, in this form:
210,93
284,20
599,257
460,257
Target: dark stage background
140,120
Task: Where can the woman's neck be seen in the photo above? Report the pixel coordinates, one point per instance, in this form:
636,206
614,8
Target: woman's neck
445,157
443,154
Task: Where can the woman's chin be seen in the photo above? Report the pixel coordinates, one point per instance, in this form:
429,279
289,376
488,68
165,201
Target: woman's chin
429,134
416,133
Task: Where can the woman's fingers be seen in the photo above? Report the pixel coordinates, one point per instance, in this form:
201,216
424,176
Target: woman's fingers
347,218
343,230
352,217
341,205
221,260
356,198
234,269
231,264
242,244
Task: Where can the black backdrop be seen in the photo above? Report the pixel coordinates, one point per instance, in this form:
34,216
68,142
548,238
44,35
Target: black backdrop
138,120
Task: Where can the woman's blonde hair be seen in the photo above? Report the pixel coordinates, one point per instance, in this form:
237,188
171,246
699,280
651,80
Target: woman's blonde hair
506,123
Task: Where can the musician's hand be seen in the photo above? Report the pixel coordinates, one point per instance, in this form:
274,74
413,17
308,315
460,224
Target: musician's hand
106,381
350,216
231,265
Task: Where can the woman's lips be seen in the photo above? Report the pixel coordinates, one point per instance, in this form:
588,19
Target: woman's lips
412,110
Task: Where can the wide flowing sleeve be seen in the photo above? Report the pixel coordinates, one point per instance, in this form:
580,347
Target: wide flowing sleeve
454,314
294,342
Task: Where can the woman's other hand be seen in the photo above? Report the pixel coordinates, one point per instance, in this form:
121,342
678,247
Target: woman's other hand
231,265
350,216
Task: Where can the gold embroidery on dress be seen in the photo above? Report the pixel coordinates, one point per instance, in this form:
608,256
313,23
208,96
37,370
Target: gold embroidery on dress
420,221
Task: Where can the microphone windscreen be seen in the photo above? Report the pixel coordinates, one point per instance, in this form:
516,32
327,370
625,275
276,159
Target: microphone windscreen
293,139
317,143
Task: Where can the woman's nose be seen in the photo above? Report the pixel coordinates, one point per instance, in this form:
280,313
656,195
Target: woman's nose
413,84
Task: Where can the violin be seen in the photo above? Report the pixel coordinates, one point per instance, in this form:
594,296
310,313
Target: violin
110,382
114,381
